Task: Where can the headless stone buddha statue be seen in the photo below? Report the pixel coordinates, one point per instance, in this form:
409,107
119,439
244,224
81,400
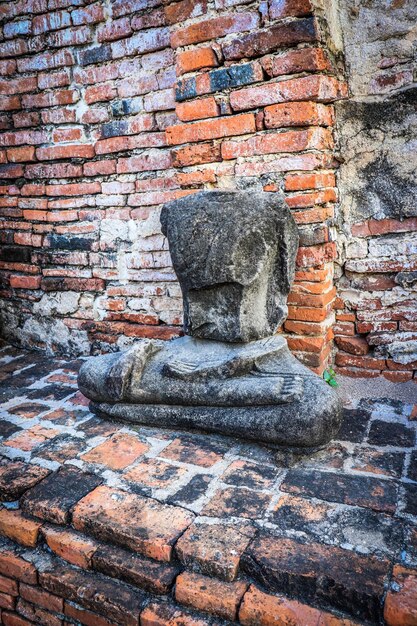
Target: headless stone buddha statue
234,256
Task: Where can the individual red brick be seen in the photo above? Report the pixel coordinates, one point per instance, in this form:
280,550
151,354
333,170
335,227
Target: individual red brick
400,604
7,602
366,491
150,575
212,596
114,600
141,524
70,151
117,452
262,41
10,103
104,167
41,598
17,477
66,134
316,180
214,549
54,498
24,119
11,619
316,571
100,93
144,163
294,8
291,141
21,155
381,227
214,28
116,29
73,189
70,546
197,109
19,528
354,345
154,473
347,360
14,566
316,87
50,99
296,61
9,586
398,377
55,79
168,614
211,129
25,282
196,154
298,114
83,616
181,11
261,609
195,59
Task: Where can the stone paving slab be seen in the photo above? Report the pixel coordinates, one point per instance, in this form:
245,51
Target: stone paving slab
221,531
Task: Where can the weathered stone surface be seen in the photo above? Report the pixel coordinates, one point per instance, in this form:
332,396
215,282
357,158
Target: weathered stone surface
234,255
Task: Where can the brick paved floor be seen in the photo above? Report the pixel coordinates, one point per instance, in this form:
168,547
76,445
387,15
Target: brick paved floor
105,524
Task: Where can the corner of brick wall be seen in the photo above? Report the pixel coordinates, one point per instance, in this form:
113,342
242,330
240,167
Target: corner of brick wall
112,109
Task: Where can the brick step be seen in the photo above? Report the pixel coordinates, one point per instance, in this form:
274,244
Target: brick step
47,589
141,542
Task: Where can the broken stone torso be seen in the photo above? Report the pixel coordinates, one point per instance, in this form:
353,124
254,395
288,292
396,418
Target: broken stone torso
234,255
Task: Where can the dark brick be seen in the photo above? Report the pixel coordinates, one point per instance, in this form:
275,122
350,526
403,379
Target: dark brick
251,475
37,615
126,107
98,427
354,425
410,499
142,572
365,529
237,502
28,410
64,242
53,499
263,41
329,576
113,599
15,254
186,88
214,549
378,462
412,468
234,76
61,449
7,428
366,491
193,490
17,477
196,450
391,434
98,54
114,129
50,392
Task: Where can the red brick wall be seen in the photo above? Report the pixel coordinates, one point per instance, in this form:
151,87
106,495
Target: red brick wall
112,108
